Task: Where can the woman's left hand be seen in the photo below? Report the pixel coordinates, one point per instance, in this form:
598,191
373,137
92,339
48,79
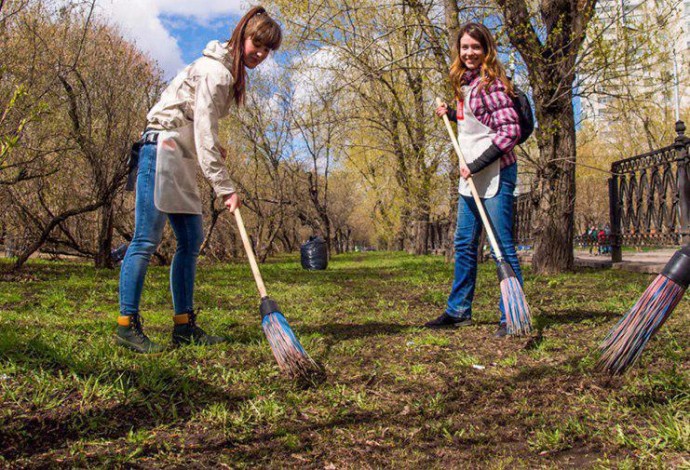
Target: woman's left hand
465,171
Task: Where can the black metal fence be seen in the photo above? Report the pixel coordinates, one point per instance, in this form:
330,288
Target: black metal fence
649,202
522,221
648,197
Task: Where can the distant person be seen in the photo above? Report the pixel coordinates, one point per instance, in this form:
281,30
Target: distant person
583,238
488,129
607,239
592,238
601,239
182,135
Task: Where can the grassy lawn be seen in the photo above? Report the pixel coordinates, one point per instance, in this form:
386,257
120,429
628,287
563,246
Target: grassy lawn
396,395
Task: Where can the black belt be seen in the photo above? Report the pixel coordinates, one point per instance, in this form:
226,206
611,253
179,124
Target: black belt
150,136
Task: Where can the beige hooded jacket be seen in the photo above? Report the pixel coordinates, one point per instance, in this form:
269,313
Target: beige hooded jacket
187,116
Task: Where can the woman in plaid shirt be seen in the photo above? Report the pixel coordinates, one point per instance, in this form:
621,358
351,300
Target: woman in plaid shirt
488,129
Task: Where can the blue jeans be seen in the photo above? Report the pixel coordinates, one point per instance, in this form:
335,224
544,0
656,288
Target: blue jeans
149,223
500,211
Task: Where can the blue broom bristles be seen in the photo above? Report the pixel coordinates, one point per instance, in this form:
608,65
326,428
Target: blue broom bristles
625,342
289,353
518,317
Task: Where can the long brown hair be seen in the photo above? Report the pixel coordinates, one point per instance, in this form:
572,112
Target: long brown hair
491,68
264,31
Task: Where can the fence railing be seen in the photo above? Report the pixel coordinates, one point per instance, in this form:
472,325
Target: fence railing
522,219
648,197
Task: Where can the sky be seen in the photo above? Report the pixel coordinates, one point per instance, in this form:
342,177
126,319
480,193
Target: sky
173,32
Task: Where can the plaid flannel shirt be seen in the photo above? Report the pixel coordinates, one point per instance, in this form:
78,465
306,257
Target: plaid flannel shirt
500,117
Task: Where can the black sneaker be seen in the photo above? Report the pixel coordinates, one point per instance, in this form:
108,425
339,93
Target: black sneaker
446,321
186,331
130,334
502,331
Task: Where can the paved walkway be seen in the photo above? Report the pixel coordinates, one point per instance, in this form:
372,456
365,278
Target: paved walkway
651,262
642,262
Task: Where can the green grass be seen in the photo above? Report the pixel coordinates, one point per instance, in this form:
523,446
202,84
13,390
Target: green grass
396,395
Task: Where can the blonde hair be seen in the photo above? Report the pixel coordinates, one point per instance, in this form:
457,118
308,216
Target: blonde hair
491,68
264,31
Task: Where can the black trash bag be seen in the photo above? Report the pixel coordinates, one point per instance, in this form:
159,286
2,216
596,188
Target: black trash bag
314,254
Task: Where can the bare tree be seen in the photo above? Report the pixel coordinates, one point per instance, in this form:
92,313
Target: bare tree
95,88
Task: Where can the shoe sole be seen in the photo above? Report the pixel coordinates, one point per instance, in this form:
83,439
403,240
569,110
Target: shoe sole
132,347
501,334
451,325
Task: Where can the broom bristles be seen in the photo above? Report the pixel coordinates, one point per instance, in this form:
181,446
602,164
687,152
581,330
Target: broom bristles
518,317
625,342
289,353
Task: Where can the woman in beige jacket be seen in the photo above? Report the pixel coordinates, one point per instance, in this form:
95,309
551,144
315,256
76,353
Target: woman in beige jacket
182,134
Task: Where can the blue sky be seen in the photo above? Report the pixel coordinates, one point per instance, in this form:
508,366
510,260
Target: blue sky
192,36
173,32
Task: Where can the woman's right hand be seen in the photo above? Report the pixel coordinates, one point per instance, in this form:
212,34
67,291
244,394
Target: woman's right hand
232,201
442,110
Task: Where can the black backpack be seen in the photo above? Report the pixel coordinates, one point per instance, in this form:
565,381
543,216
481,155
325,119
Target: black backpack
524,112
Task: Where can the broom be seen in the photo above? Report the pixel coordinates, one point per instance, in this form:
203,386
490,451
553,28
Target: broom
626,341
518,319
289,353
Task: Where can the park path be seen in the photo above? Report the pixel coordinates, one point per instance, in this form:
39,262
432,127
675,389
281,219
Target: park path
651,262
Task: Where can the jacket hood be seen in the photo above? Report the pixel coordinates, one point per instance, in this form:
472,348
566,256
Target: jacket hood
220,52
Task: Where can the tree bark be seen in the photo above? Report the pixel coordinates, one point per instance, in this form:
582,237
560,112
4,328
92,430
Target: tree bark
554,193
551,58
105,237
420,231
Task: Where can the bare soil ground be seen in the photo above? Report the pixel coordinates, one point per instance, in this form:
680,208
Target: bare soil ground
396,395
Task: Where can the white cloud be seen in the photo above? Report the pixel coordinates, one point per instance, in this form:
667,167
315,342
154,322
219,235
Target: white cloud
201,9
140,21
315,71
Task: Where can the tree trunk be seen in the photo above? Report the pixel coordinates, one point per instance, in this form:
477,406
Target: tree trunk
420,231
47,229
554,190
103,260
403,233
551,59
453,195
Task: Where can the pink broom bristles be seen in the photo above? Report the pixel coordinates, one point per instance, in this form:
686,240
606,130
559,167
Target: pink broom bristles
626,341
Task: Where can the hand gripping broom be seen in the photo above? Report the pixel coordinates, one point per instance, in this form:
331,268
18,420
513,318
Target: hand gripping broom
625,342
291,356
519,321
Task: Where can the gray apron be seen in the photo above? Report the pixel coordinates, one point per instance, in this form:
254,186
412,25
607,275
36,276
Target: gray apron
176,190
474,138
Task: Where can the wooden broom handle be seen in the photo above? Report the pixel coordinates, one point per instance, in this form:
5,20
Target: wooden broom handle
473,189
250,254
